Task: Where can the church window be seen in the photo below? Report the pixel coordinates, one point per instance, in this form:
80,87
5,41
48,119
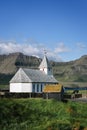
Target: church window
37,87
33,87
49,69
41,87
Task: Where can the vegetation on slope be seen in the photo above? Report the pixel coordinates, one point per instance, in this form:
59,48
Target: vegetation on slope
73,71
40,114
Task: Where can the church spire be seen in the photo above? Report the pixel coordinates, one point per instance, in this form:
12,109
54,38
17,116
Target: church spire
45,66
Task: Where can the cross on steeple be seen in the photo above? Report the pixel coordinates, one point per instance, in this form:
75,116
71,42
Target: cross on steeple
45,52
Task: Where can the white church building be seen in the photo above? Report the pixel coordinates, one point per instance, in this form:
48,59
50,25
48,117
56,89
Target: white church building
32,80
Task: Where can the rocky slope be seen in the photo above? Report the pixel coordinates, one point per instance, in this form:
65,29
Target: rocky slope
74,71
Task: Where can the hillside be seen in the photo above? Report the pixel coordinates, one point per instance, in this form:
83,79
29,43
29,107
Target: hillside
73,71
9,64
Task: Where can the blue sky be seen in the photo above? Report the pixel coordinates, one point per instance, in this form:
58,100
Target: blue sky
58,26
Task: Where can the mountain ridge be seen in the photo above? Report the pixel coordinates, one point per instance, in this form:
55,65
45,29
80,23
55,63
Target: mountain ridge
73,71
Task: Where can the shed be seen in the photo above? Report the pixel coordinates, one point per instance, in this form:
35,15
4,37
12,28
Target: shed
54,91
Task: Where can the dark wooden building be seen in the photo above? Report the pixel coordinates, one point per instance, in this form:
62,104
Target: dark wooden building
53,92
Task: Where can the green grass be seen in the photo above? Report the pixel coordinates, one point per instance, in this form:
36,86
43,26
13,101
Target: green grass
4,86
40,114
73,84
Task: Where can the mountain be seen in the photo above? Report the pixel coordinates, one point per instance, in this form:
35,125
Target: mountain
9,64
73,71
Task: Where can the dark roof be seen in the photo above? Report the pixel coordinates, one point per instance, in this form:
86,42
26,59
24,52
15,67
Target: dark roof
31,75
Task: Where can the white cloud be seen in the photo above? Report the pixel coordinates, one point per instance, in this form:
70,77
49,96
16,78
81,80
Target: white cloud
10,47
61,48
32,49
81,45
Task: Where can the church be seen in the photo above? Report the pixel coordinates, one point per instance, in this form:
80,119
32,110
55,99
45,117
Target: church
33,80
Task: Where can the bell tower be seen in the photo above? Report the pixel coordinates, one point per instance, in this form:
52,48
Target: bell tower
45,66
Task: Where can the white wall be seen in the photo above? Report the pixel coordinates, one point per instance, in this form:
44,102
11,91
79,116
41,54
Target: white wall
26,87
20,87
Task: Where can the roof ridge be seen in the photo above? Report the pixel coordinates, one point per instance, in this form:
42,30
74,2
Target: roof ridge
26,74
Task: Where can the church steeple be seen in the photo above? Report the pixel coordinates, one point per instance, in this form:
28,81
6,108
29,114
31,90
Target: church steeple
45,66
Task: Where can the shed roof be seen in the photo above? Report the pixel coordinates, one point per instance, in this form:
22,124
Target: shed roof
53,88
31,75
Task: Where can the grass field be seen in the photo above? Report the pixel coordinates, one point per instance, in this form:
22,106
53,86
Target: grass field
4,86
74,84
40,114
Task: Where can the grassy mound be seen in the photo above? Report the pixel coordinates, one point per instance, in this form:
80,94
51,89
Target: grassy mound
40,114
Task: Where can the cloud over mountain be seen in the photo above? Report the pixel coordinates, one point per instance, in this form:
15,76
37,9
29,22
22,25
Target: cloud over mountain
61,48
33,49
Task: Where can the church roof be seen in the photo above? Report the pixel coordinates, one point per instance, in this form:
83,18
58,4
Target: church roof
44,63
31,75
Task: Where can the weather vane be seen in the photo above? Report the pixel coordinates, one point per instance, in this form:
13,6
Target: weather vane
45,52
